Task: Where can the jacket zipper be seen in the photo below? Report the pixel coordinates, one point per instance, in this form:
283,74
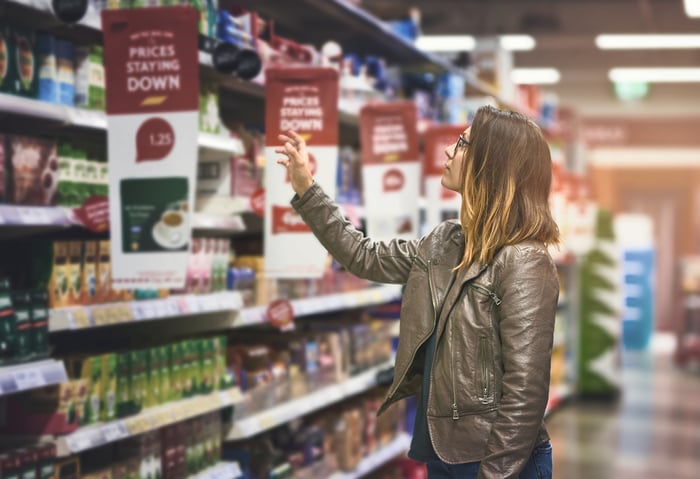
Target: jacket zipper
432,300
483,358
488,292
484,367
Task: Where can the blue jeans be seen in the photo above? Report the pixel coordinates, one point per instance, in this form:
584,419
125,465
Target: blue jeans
538,467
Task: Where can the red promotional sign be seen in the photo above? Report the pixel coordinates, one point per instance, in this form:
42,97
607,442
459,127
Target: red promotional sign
437,138
280,314
286,220
304,100
148,61
154,140
393,180
94,214
257,202
388,133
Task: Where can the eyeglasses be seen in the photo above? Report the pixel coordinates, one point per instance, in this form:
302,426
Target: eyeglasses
461,143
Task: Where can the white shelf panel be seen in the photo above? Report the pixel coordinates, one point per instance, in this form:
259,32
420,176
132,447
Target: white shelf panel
82,317
224,144
97,120
263,421
23,377
148,420
322,304
380,457
224,470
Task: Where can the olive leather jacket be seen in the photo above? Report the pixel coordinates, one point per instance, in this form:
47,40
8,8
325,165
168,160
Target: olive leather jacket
490,377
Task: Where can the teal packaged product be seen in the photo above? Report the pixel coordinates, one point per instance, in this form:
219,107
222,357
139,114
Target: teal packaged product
22,301
39,314
8,327
47,48
65,59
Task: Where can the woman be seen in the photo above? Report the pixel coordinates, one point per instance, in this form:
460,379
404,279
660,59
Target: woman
477,316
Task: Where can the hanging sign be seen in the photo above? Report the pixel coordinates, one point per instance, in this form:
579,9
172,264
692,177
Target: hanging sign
304,100
390,170
152,88
441,204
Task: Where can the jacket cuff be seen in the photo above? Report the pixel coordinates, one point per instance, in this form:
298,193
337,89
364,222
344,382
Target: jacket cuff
298,202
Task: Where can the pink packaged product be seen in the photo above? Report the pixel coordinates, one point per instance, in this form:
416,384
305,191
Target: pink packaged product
33,169
206,254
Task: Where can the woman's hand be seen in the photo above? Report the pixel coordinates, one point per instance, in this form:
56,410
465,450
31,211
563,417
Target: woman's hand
296,161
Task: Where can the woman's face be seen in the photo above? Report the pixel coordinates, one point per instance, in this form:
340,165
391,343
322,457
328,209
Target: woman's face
456,153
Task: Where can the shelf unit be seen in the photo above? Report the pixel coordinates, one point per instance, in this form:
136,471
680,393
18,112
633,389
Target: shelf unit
224,470
95,316
32,375
296,408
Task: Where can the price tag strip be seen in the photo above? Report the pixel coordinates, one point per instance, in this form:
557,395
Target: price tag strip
24,377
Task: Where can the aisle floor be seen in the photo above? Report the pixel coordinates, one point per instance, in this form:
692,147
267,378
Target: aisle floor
651,431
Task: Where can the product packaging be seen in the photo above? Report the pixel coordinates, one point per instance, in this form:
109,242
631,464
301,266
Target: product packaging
47,50
65,59
7,63
33,170
40,322
26,69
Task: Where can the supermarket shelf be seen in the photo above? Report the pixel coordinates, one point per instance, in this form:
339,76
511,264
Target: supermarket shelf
23,377
93,316
263,421
224,470
96,120
91,20
322,304
376,460
150,419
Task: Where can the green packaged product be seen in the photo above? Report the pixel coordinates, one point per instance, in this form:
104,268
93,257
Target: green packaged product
123,390
176,382
108,390
165,377
96,79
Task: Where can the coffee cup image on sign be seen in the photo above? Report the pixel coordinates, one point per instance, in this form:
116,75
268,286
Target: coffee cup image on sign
155,214
172,231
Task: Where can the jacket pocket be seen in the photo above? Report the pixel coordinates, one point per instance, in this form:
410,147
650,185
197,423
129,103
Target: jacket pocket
484,375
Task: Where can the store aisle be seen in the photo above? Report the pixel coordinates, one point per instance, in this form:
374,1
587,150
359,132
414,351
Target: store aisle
653,431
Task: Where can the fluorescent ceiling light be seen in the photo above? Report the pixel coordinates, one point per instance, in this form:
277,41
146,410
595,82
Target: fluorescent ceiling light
517,42
692,8
535,76
651,41
461,43
445,43
655,75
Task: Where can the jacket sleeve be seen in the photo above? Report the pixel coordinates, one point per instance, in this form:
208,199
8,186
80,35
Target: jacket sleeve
383,262
529,290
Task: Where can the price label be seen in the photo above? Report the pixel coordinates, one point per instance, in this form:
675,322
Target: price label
33,216
267,421
208,304
28,379
148,310
225,399
189,304
78,443
173,307
100,316
114,432
161,308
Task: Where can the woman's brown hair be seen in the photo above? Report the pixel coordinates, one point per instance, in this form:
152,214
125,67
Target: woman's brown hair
506,178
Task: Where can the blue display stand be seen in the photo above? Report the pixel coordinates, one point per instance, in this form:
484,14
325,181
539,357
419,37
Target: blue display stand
638,288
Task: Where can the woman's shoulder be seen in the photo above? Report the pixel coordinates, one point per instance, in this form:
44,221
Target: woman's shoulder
524,251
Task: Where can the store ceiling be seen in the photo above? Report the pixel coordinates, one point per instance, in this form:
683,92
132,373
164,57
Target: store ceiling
564,29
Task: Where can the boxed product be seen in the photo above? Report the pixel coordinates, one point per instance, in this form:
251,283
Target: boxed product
7,63
47,51
33,167
89,369
89,77
108,386
26,71
209,119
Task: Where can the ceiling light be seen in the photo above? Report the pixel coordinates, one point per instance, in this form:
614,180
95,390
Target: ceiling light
651,41
535,76
461,43
517,42
692,8
445,43
655,75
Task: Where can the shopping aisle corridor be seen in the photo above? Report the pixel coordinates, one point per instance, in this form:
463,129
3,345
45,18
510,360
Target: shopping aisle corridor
653,431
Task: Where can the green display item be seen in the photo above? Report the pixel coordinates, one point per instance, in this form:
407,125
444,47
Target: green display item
165,375
154,215
153,395
96,79
176,382
137,372
22,303
94,400
108,390
123,389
